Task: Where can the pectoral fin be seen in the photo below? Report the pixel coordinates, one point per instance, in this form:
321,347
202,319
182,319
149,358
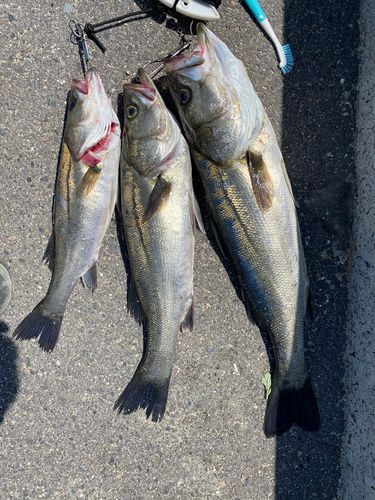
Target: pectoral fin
261,180
158,198
88,181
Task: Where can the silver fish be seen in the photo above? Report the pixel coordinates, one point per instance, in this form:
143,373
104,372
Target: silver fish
253,210
159,212
84,199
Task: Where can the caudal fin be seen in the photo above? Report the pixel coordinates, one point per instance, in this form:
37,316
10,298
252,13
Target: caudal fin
40,324
291,406
144,391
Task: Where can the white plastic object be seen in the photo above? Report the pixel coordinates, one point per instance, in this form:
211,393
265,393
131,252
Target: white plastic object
168,3
198,9
280,51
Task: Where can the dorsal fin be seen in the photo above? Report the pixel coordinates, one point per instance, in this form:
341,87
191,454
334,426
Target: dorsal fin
195,214
282,163
219,240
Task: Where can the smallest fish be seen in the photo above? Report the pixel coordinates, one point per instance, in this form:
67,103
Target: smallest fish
84,199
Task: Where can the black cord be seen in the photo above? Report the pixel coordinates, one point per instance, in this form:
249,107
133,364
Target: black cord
90,28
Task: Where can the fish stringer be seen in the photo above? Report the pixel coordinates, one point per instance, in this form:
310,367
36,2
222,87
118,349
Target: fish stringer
184,44
78,37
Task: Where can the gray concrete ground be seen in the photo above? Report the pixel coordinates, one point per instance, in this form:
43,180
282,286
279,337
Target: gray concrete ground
60,437
358,472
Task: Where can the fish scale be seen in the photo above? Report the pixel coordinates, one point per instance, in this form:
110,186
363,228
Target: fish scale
253,211
157,205
84,200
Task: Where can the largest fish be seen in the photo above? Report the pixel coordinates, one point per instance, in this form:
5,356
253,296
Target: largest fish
253,211
84,199
159,212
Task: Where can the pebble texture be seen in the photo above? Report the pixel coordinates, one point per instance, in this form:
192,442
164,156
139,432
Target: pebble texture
358,474
60,438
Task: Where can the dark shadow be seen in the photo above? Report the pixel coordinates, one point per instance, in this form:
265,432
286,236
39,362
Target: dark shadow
319,128
8,371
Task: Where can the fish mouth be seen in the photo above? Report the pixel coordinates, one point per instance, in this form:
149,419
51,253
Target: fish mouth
93,155
146,90
197,64
84,87
105,132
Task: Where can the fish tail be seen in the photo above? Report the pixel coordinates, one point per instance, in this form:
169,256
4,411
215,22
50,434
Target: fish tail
147,392
291,406
40,324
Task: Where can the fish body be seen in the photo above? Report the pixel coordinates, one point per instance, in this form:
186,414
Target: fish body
84,198
253,211
158,217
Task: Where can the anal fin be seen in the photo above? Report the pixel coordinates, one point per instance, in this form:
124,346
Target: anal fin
310,308
250,311
90,278
49,254
287,180
219,240
133,303
187,323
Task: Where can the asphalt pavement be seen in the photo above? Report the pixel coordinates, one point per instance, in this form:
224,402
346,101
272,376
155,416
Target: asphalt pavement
60,437
358,464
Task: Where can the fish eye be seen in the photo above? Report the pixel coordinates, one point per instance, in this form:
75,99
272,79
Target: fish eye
72,104
131,111
184,96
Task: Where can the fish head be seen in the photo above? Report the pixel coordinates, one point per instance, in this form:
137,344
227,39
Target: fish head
150,134
92,127
209,109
